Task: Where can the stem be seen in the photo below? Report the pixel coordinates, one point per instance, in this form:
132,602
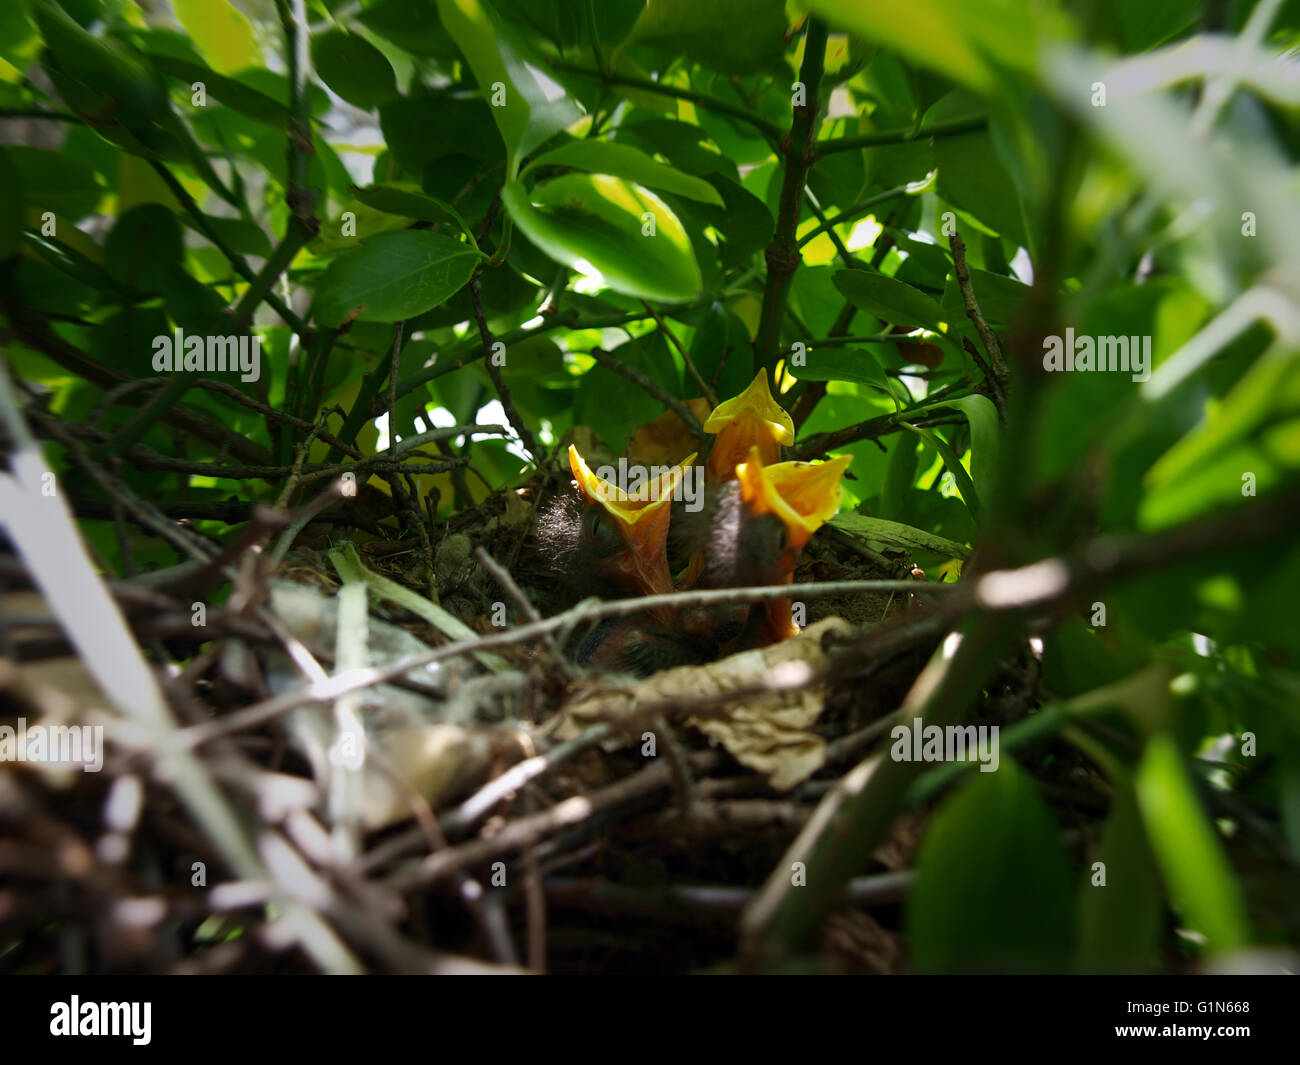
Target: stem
800,152
709,103
952,127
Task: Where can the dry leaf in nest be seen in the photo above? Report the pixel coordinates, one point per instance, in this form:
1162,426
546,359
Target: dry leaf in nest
665,440
414,744
770,733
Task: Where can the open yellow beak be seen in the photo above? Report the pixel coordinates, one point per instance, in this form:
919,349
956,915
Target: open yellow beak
641,519
751,419
804,495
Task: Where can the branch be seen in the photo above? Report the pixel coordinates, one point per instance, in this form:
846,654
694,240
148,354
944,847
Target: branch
646,385
705,390
953,127
799,151
709,103
535,452
986,334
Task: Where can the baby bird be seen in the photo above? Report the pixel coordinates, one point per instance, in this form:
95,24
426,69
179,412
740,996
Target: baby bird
607,543
751,419
803,496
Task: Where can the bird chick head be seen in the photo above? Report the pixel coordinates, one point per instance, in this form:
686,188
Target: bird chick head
630,531
804,495
751,419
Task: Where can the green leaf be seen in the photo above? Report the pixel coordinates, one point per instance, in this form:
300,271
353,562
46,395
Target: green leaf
11,205
632,164
221,32
144,247
234,94
984,437
953,464
594,224
992,887
392,276
844,364
1120,921
1200,880
973,178
54,181
733,36
896,534
244,238
888,299
957,38
407,201
534,107
354,68
410,24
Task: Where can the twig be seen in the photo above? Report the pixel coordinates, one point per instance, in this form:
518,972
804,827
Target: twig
705,390
535,452
853,211
995,386
798,152
268,710
502,576
952,127
646,385
709,103
989,340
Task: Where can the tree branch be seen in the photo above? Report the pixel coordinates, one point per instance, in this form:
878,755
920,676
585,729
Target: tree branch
799,151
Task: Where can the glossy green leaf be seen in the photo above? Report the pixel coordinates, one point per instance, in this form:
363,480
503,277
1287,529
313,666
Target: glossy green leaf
1200,880
241,237
952,462
221,31
234,94
354,68
144,248
408,201
961,39
392,276
528,106
54,181
985,435
889,299
624,161
1120,920
843,364
895,534
992,889
604,226
733,36
11,205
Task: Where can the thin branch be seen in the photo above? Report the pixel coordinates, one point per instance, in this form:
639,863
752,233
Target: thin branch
355,680
535,451
986,334
709,103
705,390
799,153
953,127
646,385
853,211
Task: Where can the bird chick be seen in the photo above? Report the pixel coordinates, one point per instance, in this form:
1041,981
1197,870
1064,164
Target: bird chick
605,542
803,496
751,419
